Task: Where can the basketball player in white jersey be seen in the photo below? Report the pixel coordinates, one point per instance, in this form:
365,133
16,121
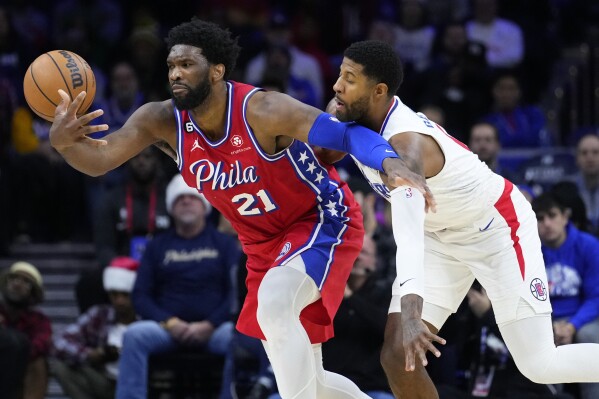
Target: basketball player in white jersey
483,228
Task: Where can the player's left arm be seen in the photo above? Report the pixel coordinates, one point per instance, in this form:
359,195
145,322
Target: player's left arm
273,114
408,210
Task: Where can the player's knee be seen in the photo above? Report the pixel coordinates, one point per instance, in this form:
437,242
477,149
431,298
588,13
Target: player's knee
534,370
273,311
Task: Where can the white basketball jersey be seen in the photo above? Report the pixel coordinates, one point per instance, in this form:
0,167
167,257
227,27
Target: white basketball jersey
464,188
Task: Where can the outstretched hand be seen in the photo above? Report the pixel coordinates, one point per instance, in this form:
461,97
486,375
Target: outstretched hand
68,129
417,340
399,174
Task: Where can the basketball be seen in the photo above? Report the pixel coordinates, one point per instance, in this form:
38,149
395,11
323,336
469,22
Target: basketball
57,69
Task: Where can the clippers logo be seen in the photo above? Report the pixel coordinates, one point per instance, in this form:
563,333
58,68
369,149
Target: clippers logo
285,250
237,141
189,127
538,290
409,192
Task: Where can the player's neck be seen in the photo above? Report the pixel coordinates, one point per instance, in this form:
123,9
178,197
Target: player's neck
211,114
375,118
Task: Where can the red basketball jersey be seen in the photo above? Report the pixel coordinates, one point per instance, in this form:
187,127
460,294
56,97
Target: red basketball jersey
281,205
261,195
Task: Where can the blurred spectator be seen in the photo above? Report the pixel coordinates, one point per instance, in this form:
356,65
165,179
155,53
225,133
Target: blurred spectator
360,326
458,79
518,125
73,29
87,351
132,213
303,65
572,264
587,178
245,19
278,66
414,36
126,218
12,64
146,50
123,98
566,193
485,143
442,12
100,23
434,113
307,36
183,290
49,204
32,24
25,334
503,38
10,78
382,30
247,371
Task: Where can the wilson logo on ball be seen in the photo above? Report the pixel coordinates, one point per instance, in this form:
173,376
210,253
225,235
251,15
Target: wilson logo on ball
76,78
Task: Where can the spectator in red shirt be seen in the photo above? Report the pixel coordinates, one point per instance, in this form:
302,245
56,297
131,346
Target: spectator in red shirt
25,334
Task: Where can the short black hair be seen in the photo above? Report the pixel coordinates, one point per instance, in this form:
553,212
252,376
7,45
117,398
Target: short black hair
547,201
216,43
380,61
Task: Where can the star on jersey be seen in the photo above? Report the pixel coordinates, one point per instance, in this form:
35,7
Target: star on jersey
319,177
331,205
311,167
303,157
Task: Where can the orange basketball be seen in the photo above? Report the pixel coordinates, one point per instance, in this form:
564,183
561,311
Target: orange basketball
57,69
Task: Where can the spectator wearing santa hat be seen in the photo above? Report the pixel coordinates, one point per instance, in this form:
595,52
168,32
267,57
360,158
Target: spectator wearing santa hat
86,353
184,290
25,334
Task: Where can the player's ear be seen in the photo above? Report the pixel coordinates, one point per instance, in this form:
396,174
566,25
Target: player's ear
217,72
381,90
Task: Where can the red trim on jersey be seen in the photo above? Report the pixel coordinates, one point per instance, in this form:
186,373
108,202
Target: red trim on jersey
505,207
458,142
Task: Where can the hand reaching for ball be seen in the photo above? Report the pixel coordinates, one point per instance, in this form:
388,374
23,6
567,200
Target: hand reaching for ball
68,129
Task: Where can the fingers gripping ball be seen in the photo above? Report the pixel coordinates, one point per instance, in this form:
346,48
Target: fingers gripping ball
58,69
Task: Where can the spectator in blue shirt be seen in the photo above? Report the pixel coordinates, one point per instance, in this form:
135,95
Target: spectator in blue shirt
572,264
183,290
518,125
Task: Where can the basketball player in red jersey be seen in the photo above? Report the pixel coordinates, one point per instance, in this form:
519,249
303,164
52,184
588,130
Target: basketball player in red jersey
246,150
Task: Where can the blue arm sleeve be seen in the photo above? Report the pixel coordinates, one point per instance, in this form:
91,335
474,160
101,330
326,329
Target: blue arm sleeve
367,146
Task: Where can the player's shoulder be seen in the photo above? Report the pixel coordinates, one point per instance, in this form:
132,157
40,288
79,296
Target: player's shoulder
156,114
157,110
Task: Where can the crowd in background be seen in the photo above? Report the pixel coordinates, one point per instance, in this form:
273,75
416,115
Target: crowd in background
480,68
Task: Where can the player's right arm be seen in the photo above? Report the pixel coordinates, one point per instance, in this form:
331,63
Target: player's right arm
69,135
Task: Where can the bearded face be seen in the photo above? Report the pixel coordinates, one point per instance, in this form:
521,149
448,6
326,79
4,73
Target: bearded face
354,111
194,96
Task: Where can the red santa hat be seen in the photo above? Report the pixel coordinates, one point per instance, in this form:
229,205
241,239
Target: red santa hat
120,274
